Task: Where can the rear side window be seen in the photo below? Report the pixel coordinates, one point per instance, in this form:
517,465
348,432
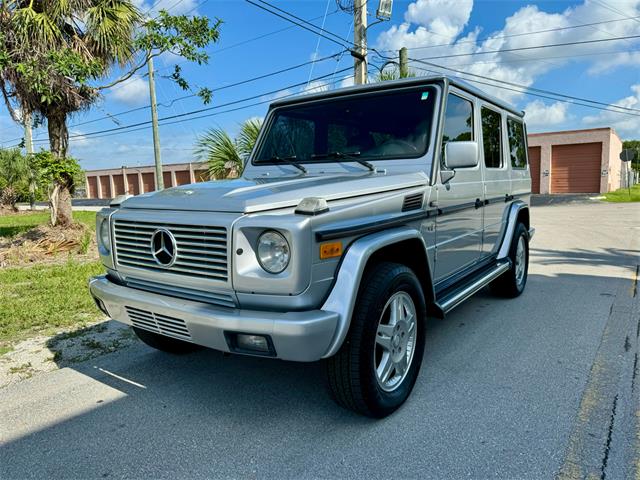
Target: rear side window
517,149
491,138
458,121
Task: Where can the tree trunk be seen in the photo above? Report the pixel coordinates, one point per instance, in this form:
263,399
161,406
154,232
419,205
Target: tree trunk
60,195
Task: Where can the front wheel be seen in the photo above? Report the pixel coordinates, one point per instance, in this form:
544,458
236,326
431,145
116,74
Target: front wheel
378,364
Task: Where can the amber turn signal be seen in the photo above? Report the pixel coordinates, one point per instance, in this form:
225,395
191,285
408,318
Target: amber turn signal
330,250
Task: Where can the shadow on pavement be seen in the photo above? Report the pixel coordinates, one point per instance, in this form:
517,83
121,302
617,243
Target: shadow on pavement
501,380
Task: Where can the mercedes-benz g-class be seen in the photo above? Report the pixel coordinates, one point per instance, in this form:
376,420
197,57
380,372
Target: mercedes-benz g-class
360,212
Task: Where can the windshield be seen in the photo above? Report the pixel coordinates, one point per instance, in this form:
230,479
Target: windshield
387,125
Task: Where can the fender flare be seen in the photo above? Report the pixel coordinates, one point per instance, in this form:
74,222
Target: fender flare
342,297
512,221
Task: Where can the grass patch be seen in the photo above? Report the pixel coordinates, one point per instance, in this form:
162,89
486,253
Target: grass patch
622,195
44,299
11,225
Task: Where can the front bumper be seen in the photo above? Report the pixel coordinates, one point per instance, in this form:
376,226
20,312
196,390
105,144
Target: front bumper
298,336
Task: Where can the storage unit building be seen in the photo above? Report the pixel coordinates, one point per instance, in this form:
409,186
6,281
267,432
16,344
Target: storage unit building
576,161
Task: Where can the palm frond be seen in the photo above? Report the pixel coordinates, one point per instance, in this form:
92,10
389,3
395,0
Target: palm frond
219,150
249,131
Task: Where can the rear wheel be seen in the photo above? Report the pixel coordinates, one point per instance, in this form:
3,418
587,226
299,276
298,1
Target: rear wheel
511,283
377,366
165,344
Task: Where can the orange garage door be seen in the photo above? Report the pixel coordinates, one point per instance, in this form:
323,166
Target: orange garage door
534,168
576,168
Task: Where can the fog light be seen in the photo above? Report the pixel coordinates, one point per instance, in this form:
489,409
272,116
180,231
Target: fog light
256,343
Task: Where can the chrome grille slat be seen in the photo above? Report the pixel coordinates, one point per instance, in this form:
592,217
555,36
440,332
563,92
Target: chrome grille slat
214,298
202,252
155,322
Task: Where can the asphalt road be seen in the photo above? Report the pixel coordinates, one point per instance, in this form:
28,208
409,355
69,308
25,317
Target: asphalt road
536,387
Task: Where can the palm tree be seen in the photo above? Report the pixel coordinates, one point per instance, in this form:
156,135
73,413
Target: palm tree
51,48
226,156
392,74
15,173
53,51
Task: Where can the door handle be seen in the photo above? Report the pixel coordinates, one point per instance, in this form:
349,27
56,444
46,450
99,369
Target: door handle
478,203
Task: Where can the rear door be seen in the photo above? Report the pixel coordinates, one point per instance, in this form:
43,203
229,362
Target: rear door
459,224
497,177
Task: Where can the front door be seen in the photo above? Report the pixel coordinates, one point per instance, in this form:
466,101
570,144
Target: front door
459,222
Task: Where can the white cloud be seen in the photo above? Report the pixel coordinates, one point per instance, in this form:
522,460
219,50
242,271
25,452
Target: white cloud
540,116
626,125
347,81
445,18
133,92
433,28
172,6
316,86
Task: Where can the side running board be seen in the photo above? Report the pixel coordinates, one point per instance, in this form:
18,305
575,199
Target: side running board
451,299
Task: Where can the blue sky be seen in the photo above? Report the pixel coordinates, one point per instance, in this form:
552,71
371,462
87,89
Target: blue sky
602,71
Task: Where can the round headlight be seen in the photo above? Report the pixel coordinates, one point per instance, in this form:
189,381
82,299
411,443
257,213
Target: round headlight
105,237
273,251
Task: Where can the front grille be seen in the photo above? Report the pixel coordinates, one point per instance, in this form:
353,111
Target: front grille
214,298
154,322
201,251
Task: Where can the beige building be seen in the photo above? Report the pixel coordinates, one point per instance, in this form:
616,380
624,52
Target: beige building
573,161
576,161
109,183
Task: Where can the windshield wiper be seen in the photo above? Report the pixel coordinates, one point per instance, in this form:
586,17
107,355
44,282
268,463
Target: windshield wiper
343,155
288,160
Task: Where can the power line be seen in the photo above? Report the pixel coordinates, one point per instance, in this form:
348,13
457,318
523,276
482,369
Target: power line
542,93
548,30
202,110
533,47
343,43
322,29
168,105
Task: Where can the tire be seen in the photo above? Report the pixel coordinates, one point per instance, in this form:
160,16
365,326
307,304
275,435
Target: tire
351,374
165,344
511,283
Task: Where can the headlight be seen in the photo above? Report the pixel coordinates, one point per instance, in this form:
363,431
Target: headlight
105,237
273,251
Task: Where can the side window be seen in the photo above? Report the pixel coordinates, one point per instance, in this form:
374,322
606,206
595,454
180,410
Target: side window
492,137
458,121
515,130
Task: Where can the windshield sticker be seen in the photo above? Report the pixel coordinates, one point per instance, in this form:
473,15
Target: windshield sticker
424,96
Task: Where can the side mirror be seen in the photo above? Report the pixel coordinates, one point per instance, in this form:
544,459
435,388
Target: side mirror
461,155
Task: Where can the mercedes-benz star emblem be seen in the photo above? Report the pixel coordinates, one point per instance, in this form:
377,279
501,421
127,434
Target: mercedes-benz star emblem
163,247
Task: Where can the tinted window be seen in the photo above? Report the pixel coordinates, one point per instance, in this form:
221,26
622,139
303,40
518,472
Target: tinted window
458,120
491,138
375,126
517,148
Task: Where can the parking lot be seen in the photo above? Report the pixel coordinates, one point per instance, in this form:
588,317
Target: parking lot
540,386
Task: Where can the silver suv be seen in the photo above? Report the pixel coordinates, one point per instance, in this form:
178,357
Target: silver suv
360,212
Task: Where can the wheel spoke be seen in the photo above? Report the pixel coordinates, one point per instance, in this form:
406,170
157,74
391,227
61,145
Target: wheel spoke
401,366
397,310
385,368
384,341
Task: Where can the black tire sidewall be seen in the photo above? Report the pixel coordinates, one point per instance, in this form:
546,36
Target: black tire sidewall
521,231
382,283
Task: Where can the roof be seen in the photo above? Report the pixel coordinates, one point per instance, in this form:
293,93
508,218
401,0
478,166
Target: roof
583,130
405,82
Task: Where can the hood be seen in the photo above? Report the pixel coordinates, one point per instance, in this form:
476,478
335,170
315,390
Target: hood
247,195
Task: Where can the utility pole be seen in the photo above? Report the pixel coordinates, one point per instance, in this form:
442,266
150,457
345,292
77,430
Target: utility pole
404,62
28,145
154,123
360,41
